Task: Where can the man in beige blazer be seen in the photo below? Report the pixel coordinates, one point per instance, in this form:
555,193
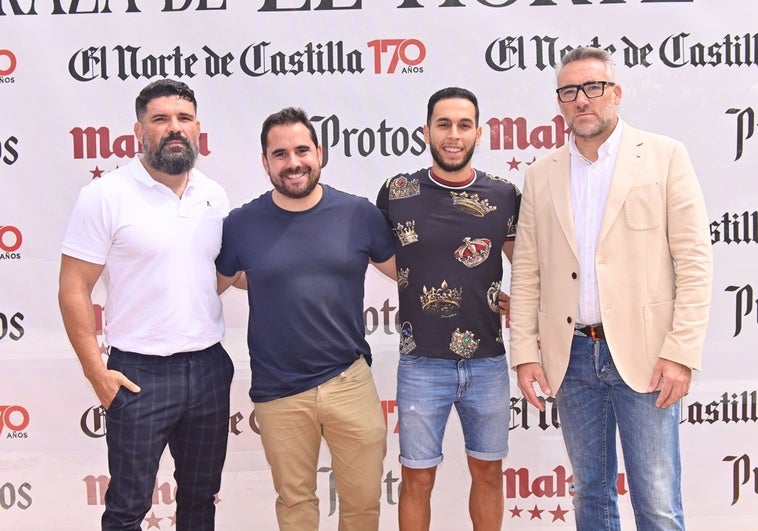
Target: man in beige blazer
610,292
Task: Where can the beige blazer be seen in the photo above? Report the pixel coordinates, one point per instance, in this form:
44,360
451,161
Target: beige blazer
654,262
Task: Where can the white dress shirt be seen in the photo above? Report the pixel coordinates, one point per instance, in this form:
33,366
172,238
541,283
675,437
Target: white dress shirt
590,182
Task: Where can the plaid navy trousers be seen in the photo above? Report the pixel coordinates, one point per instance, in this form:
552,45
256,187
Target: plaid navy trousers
183,403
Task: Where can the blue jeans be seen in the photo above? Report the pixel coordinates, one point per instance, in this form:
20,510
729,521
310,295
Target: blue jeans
593,401
427,388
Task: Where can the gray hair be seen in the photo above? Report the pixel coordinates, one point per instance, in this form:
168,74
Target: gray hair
587,52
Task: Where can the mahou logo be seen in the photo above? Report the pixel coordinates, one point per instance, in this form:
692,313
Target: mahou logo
163,512
14,419
10,242
92,142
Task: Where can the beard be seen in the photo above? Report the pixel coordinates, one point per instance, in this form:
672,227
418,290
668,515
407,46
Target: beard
437,157
172,161
287,189
605,121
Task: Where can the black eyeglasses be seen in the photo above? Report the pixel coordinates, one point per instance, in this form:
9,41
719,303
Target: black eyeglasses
591,89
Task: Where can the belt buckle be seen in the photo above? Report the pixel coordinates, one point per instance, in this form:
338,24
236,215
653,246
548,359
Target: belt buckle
593,332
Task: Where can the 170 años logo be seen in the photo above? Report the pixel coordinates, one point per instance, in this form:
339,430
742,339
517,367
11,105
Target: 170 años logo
16,419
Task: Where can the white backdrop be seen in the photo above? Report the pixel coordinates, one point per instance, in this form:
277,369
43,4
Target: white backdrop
69,73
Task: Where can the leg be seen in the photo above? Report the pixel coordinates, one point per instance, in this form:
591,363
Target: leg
486,500
650,444
291,437
198,443
484,409
138,425
414,507
589,432
426,390
353,426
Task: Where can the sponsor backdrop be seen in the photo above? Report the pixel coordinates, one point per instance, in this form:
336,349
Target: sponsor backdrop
69,73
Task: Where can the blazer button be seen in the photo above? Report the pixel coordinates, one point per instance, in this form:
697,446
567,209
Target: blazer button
569,320
573,275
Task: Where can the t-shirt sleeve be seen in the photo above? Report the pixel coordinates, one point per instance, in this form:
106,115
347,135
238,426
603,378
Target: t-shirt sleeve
382,239
227,261
382,200
88,235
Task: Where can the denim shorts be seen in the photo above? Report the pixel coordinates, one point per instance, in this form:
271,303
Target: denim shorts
427,388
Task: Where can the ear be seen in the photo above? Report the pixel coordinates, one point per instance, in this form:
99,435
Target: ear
478,135
138,131
617,94
426,133
264,160
320,154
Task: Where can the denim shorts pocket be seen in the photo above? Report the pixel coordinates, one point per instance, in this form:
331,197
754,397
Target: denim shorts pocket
409,361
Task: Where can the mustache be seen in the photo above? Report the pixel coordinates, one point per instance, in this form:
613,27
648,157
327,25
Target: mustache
295,171
174,137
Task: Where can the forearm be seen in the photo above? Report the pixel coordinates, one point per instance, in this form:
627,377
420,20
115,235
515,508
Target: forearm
79,321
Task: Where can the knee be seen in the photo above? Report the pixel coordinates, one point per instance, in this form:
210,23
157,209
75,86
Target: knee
486,472
418,482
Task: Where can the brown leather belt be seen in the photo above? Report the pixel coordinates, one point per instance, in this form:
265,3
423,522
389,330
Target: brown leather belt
592,331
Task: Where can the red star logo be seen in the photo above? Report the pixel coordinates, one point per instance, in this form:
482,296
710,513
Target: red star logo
536,513
513,164
531,162
558,514
152,521
96,173
515,512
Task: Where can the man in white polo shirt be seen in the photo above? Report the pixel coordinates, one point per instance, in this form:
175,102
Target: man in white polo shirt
152,230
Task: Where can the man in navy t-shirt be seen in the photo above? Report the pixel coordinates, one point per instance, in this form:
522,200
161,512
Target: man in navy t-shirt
304,248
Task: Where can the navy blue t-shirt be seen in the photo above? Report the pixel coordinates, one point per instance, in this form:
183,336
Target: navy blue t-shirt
305,273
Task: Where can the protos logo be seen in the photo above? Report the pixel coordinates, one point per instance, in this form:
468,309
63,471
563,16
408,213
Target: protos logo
7,66
389,52
10,238
16,418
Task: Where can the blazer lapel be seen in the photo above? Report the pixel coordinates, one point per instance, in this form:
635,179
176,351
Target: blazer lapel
628,165
560,191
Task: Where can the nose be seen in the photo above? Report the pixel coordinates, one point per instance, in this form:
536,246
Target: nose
583,95
174,125
293,161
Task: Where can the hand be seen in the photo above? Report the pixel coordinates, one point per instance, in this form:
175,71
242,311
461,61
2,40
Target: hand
673,379
528,374
504,303
107,383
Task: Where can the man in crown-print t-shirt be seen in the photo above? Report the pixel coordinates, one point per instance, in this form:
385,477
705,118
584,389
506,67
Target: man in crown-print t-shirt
451,224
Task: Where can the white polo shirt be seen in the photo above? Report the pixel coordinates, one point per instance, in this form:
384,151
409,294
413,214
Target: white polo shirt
158,251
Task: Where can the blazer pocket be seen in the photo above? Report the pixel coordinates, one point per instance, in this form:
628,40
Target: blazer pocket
642,208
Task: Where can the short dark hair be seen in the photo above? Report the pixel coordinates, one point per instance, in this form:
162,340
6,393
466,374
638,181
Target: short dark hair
288,115
450,93
160,88
583,53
